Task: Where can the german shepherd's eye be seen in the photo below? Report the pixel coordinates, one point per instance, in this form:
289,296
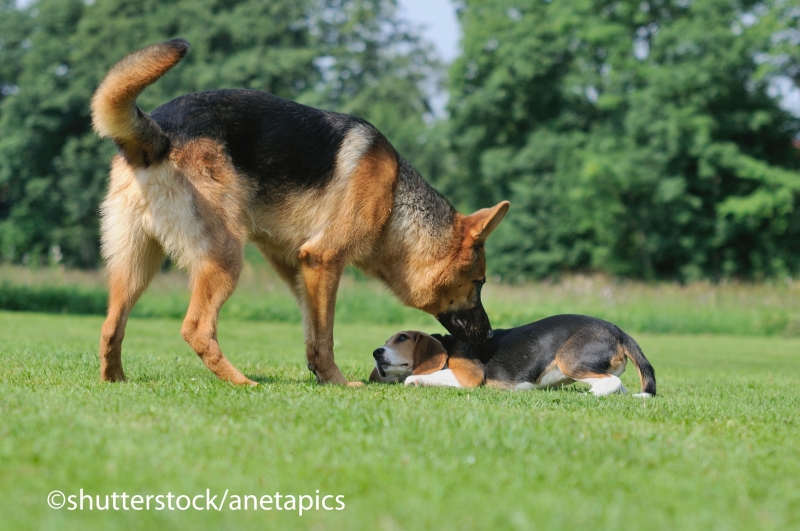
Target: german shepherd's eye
480,282
401,338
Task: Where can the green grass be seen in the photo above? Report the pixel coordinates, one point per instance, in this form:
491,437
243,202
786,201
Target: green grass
717,450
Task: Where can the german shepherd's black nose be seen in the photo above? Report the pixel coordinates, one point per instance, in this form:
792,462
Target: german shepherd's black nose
377,352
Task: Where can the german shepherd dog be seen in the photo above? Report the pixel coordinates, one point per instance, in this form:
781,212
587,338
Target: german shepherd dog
314,190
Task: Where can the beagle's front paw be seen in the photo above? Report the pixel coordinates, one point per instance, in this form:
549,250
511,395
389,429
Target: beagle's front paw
443,378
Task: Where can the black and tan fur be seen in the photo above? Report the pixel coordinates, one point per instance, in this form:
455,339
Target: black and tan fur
315,190
555,351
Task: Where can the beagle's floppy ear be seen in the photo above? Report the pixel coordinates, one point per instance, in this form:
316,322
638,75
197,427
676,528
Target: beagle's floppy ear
447,341
429,355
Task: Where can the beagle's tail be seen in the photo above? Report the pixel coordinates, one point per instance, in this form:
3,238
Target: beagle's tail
114,111
647,374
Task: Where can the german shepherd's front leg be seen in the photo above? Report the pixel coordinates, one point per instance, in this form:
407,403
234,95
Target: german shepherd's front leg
319,278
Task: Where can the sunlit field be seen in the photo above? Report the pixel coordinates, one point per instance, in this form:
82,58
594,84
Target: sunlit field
717,449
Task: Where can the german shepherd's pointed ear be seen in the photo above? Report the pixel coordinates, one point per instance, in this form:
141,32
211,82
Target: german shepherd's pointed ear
429,355
481,224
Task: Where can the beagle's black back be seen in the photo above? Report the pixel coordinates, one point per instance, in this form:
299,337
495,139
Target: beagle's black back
523,354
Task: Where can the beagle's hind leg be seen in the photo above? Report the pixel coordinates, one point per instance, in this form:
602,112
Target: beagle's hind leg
213,281
592,360
604,384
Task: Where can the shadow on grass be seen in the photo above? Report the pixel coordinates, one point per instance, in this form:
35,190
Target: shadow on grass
272,379
268,379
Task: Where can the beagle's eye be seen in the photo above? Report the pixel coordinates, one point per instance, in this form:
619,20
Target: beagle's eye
480,282
401,338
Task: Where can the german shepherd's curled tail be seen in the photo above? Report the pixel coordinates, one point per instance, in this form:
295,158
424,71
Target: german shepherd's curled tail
114,111
647,374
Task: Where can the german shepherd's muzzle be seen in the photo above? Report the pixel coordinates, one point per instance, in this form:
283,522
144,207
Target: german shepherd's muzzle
471,325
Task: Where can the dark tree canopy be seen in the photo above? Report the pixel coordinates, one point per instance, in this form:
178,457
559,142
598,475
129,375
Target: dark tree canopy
636,138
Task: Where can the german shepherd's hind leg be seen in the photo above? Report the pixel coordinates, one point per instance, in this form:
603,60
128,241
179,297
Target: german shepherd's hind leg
128,278
213,281
319,280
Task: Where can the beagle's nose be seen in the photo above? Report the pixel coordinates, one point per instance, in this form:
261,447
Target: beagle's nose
377,352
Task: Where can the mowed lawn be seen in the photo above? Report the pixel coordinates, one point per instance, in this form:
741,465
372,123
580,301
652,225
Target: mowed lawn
718,449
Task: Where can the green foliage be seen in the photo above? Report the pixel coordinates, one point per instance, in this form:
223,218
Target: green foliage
54,53
52,299
637,138
374,66
716,450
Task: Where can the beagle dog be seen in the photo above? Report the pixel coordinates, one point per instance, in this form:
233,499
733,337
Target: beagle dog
555,351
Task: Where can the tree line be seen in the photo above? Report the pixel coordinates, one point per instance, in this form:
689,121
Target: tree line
637,138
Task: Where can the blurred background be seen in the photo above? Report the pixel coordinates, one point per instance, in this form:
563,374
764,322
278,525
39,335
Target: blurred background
650,149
